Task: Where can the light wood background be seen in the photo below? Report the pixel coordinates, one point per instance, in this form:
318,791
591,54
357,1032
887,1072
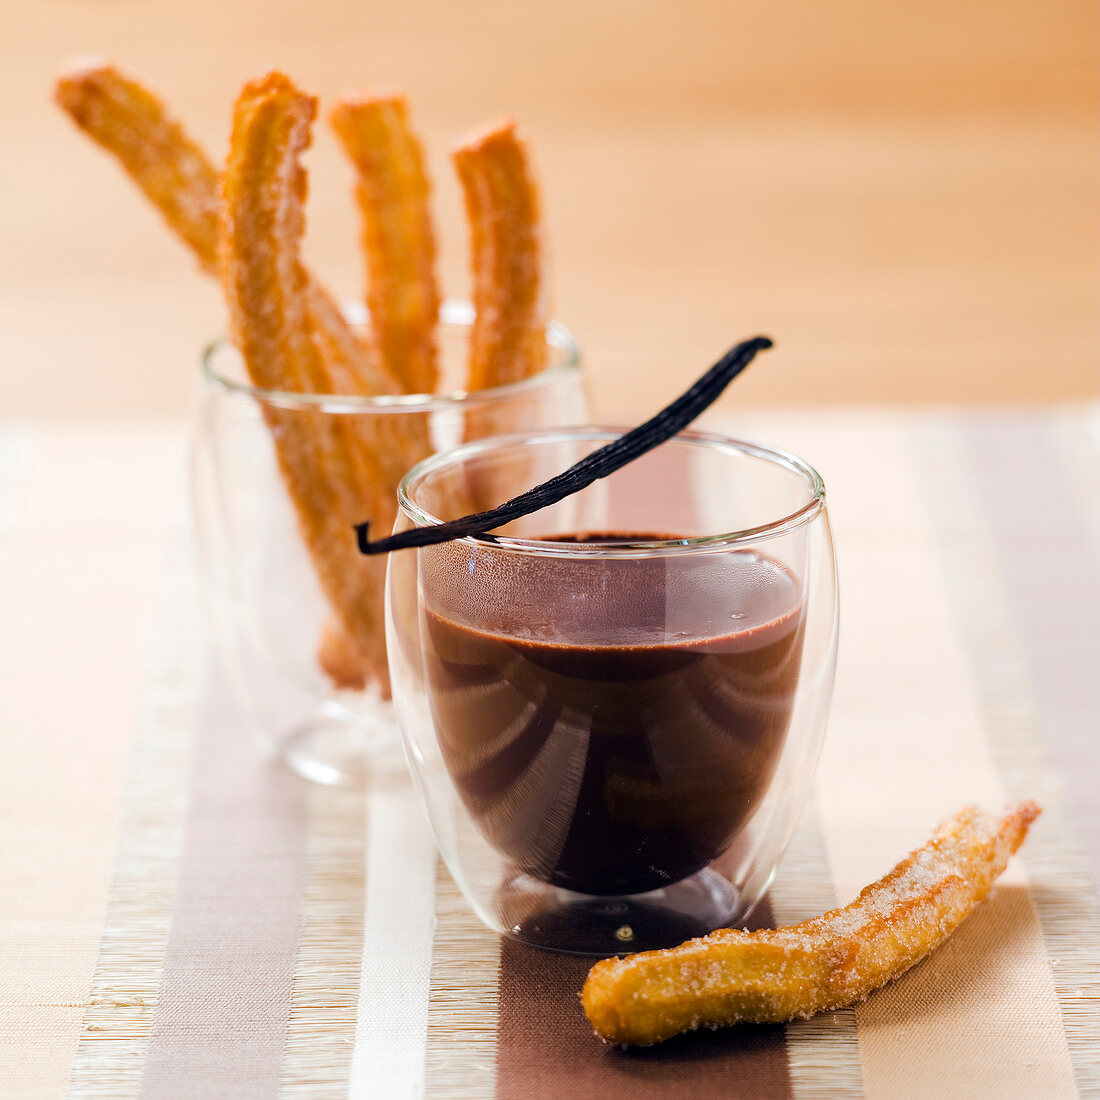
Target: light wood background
903,194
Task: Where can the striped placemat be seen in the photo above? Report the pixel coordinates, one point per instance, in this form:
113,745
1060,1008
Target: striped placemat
179,919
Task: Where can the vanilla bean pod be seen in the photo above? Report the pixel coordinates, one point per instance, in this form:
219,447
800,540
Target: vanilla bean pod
606,460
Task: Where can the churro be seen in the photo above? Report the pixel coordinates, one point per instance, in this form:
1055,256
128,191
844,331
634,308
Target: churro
264,191
337,467
131,122
341,658
398,241
509,289
825,963
176,175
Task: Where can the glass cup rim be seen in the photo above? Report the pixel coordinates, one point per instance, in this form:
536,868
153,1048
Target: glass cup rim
457,314
643,548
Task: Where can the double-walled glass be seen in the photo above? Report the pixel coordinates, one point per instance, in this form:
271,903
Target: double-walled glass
614,706
266,605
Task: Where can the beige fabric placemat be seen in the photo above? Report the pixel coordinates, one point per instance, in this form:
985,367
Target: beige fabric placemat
179,919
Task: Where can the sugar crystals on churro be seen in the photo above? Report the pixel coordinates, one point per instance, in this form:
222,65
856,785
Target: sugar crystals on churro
825,963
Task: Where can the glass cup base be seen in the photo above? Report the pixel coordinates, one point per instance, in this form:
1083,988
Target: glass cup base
553,919
334,751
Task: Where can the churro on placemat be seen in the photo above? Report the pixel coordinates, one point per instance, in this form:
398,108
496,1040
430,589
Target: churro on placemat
831,961
391,191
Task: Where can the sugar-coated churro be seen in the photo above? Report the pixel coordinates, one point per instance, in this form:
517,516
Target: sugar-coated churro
398,241
825,963
264,190
509,288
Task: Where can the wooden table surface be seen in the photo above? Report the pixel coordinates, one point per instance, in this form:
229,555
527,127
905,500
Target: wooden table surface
903,195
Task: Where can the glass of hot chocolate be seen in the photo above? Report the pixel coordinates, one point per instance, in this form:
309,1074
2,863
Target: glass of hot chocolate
613,707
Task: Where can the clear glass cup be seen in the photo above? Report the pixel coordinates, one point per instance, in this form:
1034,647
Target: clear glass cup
265,605
613,707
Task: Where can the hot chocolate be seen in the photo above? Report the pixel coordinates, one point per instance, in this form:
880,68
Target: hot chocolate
611,730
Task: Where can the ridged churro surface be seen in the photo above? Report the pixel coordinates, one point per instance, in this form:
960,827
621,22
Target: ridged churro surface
244,226
392,191
327,480
129,121
506,253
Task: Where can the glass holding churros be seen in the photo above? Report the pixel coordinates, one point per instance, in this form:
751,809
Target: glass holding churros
312,702
308,422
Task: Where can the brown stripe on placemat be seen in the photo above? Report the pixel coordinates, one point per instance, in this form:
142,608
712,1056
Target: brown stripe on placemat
546,1049
220,1023
1049,567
